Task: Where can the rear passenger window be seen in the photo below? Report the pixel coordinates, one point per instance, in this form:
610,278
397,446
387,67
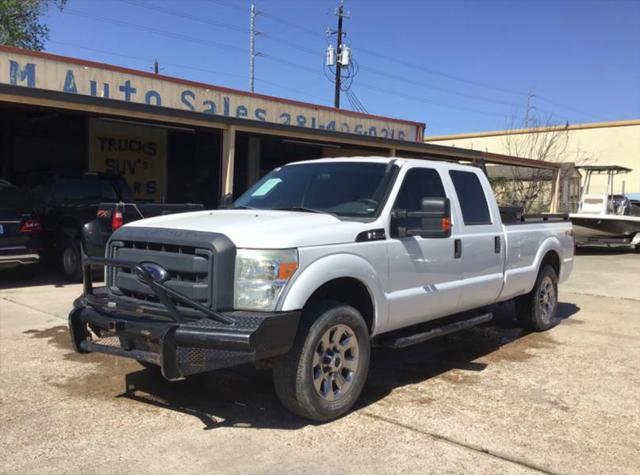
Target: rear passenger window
471,197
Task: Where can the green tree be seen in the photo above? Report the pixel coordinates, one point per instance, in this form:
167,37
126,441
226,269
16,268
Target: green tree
20,23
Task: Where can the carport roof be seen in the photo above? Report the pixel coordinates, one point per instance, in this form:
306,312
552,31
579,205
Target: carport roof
103,107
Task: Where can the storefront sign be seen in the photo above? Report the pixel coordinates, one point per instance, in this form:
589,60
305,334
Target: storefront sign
44,71
135,152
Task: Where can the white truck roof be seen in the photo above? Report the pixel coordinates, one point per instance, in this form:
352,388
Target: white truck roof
400,161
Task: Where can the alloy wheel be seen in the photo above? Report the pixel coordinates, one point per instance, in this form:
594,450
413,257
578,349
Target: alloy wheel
546,299
335,362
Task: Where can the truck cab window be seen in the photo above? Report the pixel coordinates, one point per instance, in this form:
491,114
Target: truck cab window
419,183
342,188
473,202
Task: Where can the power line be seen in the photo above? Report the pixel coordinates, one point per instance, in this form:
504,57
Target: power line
309,51
201,41
230,5
269,57
147,60
434,72
408,64
386,91
155,31
355,102
155,7
586,114
437,88
184,66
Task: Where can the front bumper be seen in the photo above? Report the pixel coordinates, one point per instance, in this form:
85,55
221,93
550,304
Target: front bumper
180,344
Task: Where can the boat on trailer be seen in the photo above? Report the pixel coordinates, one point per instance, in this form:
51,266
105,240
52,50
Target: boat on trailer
607,218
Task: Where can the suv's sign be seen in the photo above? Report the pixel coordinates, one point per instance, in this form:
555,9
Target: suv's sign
51,72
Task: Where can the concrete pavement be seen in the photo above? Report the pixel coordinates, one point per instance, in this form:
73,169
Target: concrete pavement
488,400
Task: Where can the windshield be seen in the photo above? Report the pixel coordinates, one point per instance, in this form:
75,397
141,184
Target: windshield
341,188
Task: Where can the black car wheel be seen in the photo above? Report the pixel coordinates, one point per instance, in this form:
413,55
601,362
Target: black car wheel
71,260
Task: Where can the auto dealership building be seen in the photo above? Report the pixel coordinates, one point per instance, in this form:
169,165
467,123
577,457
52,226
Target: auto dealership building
175,140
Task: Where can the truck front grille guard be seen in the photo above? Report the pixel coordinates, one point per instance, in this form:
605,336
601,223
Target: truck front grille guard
161,291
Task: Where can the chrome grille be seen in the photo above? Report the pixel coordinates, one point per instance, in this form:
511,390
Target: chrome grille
189,269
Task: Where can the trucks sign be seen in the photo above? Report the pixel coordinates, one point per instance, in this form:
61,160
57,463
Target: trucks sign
51,72
136,153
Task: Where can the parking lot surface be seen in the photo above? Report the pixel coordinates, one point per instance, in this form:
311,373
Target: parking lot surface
488,400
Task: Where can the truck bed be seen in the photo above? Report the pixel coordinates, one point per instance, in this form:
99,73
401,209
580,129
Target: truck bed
525,244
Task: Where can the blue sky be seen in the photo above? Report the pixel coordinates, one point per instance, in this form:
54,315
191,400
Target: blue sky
459,66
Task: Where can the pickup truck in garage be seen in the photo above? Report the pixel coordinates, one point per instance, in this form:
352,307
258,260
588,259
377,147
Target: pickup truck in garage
313,266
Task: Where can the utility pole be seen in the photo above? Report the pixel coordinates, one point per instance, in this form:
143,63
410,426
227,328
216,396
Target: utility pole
340,14
530,95
252,45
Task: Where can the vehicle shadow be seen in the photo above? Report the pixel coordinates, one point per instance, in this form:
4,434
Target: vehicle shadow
244,397
604,250
42,274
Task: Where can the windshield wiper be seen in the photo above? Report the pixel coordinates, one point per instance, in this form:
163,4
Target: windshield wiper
300,208
242,207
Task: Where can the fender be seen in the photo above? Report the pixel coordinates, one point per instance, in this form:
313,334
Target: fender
332,267
520,281
551,243
92,241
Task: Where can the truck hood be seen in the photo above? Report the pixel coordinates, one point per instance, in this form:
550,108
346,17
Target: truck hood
266,229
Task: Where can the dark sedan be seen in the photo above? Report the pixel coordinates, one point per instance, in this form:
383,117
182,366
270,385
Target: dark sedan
20,241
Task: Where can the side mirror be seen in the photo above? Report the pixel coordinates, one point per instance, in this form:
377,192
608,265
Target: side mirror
226,201
435,219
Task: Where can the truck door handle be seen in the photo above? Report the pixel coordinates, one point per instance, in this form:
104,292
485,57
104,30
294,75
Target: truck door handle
496,244
457,248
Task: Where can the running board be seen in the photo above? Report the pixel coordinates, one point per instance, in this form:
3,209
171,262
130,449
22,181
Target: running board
408,340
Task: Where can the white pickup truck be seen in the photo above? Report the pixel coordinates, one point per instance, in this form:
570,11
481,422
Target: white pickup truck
315,264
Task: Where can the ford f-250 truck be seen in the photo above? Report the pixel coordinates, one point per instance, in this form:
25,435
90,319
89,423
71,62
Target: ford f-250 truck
315,264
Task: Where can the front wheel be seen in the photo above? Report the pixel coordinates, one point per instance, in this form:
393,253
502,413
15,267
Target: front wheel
323,374
537,310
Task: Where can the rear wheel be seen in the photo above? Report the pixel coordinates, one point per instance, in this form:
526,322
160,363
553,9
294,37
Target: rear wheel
71,260
537,310
324,372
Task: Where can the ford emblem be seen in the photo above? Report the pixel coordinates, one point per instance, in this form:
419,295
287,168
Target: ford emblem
157,273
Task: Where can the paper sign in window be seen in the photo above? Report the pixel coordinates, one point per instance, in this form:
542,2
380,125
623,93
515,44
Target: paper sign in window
266,187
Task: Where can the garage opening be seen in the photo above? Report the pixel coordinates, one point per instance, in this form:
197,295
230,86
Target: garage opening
257,154
160,163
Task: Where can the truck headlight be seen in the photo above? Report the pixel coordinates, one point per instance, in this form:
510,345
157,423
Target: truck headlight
260,276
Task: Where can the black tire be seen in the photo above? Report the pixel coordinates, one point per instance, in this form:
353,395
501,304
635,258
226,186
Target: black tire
296,372
537,311
71,260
